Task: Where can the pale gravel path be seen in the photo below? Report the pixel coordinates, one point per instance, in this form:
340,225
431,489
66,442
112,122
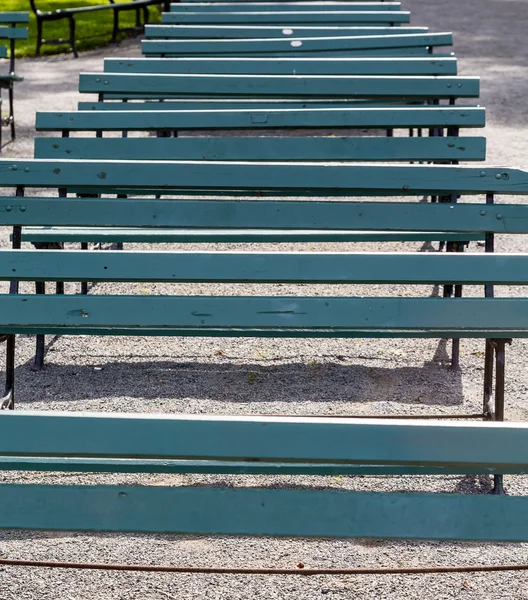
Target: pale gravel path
312,376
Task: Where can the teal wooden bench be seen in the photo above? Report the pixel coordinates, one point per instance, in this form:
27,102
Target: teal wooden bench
494,319
10,31
284,66
168,32
298,17
196,444
414,44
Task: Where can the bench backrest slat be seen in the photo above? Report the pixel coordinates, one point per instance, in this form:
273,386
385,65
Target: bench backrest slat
266,214
159,32
17,17
12,33
368,18
309,178
281,86
285,66
261,148
185,7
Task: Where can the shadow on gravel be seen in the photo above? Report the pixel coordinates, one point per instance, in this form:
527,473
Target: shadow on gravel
331,380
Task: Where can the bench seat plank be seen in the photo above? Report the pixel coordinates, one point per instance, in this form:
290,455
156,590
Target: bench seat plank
127,116
22,17
265,267
320,17
13,33
239,316
253,148
382,45
289,216
309,178
281,6
269,439
195,236
227,511
168,32
285,66
281,86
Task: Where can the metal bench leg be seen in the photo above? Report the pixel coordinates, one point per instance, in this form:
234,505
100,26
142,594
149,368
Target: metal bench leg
73,45
84,284
115,30
500,359
38,362
39,36
12,110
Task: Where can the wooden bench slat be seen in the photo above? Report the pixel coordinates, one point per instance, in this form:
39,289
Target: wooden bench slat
281,86
13,33
127,235
22,17
126,465
321,17
265,316
227,511
381,44
130,116
291,215
264,267
269,439
156,49
3,52
282,6
311,178
253,148
158,32
285,66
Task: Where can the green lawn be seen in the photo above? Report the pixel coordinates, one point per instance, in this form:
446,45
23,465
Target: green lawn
92,29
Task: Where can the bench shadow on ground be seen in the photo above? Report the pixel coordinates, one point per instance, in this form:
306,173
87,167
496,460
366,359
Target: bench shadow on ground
328,379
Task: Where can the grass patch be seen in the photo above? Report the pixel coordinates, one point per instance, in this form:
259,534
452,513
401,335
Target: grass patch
92,29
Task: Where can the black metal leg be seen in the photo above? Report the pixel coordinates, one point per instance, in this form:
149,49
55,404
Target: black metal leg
38,363
72,37
8,401
489,356
12,110
116,26
500,359
39,37
84,284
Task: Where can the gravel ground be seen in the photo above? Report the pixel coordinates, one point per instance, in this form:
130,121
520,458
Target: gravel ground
230,376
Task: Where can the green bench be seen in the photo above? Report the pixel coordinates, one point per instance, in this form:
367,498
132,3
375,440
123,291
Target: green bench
494,319
69,14
284,66
414,44
10,31
122,442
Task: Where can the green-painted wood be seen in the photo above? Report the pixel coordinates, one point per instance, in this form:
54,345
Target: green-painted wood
350,441
289,216
3,52
111,235
264,267
281,86
253,148
285,66
322,17
459,116
383,44
282,6
227,511
253,48
308,178
23,17
125,465
273,316
131,117
13,33
158,32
